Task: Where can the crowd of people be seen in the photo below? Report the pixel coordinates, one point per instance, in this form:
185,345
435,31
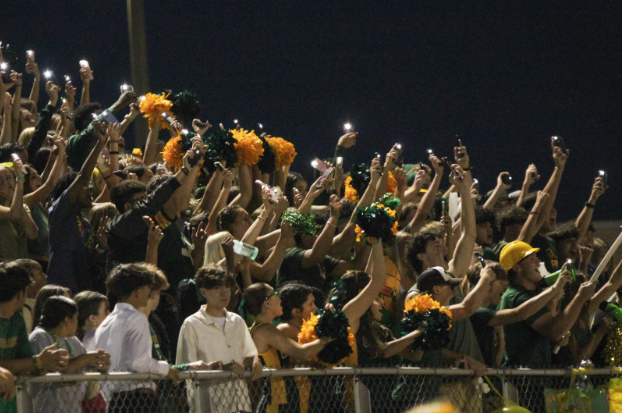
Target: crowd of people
113,260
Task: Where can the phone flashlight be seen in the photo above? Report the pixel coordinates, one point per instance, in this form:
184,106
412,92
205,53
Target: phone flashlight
348,127
4,66
48,74
67,78
314,164
236,121
429,151
184,131
260,126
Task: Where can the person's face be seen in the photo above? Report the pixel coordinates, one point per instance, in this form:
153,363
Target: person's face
135,198
147,176
273,302
511,232
34,179
72,325
375,309
39,280
568,249
435,254
529,267
154,300
217,297
496,290
27,119
309,307
101,315
85,199
242,224
443,293
501,206
160,170
301,187
7,184
589,238
484,234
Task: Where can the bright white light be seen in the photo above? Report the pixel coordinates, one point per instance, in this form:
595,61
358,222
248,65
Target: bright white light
475,181
185,131
141,98
4,66
339,160
430,151
29,53
64,100
260,126
47,74
67,78
347,127
236,121
314,164
398,146
602,173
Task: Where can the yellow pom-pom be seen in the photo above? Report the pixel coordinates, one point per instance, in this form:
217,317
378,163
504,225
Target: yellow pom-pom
448,313
249,146
172,154
137,152
308,330
153,106
391,183
284,151
349,192
360,233
421,304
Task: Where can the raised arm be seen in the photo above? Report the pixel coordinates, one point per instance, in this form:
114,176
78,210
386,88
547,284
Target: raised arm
500,188
322,246
7,123
246,186
45,118
17,104
254,230
605,292
85,97
266,272
465,245
530,228
532,175
129,118
36,84
428,200
39,194
586,215
84,176
472,301
221,202
151,147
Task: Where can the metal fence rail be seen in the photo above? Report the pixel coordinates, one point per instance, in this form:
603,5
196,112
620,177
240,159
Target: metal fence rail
305,390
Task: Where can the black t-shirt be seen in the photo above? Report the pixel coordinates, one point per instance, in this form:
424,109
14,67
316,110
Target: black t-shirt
485,334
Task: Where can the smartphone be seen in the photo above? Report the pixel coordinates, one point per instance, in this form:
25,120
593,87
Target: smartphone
445,207
127,88
15,157
477,184
195,159
400,158
339,161
319,165
457,143
507,179
219,166
85,65
30,56
482,261
560,143
168,118
107,117
604,177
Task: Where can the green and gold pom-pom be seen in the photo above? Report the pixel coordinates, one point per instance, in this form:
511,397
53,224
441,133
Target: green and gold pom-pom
378,220
267,162
612,351
437,321
221,147
329,324
185,106
302,224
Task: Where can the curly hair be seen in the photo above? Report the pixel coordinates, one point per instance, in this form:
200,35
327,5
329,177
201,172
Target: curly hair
123,193
227,217
417,245
124,279
513,216
563,232
293,296
212,276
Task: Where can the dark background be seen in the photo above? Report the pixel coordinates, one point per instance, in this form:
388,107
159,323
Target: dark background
504,76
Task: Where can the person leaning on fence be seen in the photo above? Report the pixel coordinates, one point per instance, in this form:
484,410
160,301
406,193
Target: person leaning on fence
125,335
16,355
92,311
58,325
215,334
264,302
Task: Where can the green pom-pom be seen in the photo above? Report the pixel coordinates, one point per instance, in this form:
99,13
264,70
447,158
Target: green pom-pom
389,201
377,222
267,161
360,174
185,106
436,330
302,224
333,324
220,148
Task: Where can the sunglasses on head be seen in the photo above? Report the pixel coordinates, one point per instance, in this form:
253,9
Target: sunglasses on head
275,292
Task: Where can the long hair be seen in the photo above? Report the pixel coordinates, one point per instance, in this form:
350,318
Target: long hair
42,296
214,250
89,303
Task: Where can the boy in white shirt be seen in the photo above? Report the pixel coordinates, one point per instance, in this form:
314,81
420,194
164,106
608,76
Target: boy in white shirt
126,337
214,334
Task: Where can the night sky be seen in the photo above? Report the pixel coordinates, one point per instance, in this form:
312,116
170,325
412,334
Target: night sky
504,76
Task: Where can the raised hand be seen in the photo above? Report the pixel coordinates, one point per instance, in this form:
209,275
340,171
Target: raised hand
460,155
436,164
348,140
52,91
70,94
532,175
560,157
598,190
199,235
102,238
200,127
86,75
335,205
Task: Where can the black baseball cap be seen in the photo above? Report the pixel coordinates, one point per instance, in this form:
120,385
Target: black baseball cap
435,276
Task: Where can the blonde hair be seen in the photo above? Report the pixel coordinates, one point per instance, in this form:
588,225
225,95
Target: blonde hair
26,136
99,211
214,250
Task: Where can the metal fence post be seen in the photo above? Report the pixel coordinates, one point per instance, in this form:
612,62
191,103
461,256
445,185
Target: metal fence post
24,401
510,391
362,397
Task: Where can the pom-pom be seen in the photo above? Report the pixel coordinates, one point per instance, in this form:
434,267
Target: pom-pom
153,106
137,152
349,192
424,311
248,145
378,221
302,224
358,180
185,106
330,324
612,351
284,151
221,147
267,160
391,184
172,154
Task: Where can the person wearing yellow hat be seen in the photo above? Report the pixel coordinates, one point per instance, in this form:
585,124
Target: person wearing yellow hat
520,261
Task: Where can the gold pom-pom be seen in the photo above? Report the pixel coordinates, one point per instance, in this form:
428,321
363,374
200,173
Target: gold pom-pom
349,192
391,183
153,106
137,152
172,154
421,303
449,314
284,151
308,330
249,146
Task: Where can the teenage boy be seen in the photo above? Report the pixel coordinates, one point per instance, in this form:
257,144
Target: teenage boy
16,355
125,335
213,334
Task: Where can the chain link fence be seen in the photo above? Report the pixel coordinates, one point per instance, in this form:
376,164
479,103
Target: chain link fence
338,390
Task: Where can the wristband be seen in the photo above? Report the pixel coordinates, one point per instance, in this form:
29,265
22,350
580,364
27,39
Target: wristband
589,205
114,152
185,170
20,179
106,177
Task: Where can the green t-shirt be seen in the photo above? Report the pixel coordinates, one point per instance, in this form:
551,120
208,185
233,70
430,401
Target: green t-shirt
13,345
485,334
547,253
498,248
292,269
524,345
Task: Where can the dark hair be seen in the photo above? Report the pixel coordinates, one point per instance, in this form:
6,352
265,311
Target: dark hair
227,217
473,273
528,201
14,279
55,310
564,232
291,180
293,296
212,276
28,264
61,186
416,246
89,303
254,296
233,193
28,104
84,115
484,215
157,181
513,216
124,279
8,149
40,159
42,296
199,192
123,193
138,170
194,223
348,208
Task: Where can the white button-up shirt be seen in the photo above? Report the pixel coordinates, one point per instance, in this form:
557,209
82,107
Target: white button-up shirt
126,337
201,338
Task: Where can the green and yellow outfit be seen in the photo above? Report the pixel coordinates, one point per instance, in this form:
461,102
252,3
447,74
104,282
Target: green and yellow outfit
13,345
